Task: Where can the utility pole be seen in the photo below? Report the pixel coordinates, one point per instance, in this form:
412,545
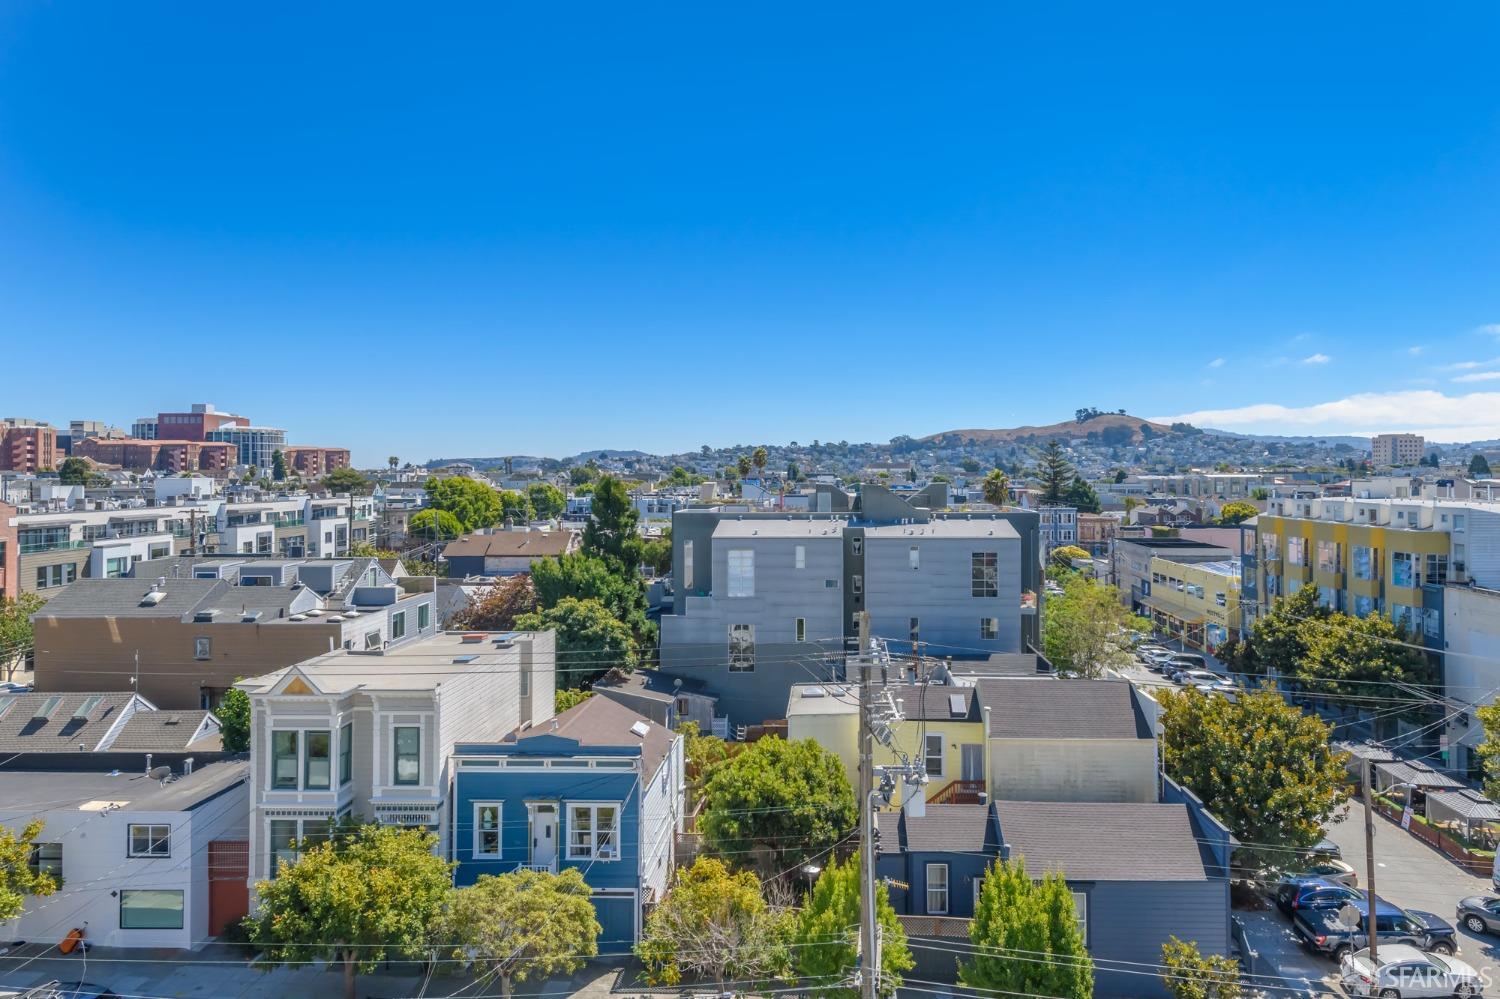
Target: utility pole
869,957
1369,860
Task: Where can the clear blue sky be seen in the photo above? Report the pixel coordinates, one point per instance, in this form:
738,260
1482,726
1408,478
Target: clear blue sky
504,228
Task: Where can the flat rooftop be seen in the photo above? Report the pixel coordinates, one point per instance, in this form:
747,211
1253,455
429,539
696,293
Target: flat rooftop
44,790
419,665
792,527
945,529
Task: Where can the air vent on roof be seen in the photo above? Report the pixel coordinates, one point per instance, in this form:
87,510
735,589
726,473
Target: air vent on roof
641,729
297,617
48,706
205,616
172,720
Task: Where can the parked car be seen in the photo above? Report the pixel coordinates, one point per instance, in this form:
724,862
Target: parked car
1193,677
1407,972
1189,660
1323,931
1479,913
1313,893
1331,869
1326,847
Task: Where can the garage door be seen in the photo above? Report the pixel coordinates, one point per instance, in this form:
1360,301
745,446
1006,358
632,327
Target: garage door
617,923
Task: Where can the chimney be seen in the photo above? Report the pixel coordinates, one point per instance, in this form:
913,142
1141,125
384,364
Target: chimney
148,763
187,766
986,721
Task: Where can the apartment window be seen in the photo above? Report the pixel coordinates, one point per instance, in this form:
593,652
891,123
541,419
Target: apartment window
1364,606
687,565
914,629
48,576
593,831
801,629
160,551
398,625
1458,522
857,546
408,755
316,765
985,574
742,572
203,648
346,753
830,584
284,760
989,628
1437,569
1296,551
1221,599
1403,569
857,584
932,753
1328,556
424,616
487,829
46,858
800,557
287,839
1081,911
937,889
1432,622
142,909
914,556
741,648
1363,557
115,568
150,841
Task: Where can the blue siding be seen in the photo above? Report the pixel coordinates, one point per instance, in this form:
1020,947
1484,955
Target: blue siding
617,924
911,868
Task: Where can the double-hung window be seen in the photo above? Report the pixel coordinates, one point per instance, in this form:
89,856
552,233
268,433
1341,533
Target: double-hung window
932,753
46,858
487,829
984,574
408,755
398,625
150,841
741,562
284,759
593,832
989,628
937,889
317,770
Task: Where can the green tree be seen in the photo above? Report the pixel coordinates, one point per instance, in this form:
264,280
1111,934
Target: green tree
1120,476
17,633
611,531
1055,472
786,801
547,500
1191,974
473,503
657,552
564,698
970,465
233,713
996,488
715,924
1479,467
1085,628
434,525
1358,658
74,471
1025,937
17,879
743,466
590,640
514,507
793,473
498,607
1259,764
1279,637
1065,554
1081,496
585,576
278,466
347,480
522,926
1235,512
369,893
759,458
826,939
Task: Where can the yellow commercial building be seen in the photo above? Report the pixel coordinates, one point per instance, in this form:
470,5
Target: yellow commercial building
1198,602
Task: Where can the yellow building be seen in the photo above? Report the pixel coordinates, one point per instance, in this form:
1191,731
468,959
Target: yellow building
943,725
1198,602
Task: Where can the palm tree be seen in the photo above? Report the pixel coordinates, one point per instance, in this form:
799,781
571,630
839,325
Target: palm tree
393,461
759,460
997,488
744,465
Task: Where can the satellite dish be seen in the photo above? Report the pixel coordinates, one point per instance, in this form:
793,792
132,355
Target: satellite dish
160,773
1349,916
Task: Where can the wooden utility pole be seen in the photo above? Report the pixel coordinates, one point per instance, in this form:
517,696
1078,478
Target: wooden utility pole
1370,919
869,945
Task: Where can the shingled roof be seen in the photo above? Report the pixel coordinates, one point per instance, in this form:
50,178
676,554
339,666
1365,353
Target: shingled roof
1104,841
1047,708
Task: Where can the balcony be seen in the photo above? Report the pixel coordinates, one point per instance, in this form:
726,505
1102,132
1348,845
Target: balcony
959,792
52,546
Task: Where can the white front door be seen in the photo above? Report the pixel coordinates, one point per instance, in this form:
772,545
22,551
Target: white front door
543,835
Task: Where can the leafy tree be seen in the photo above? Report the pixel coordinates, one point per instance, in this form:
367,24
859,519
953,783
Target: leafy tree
1479,467
1357,658
367,894
611,531
579,474
521,926
743,466
785,800
564,698
1065,554
17,879
657,552
584,576
1120,476
347,480
826,939
434,525
1084,628
393,461
471,502
1081,495
714,924
996,488
547,501
74,471
1259,764
1190,974
1055,472
1016,915
793,473
17,633
278,466
1280,635
1235,512
233,713
1260,493
514,507
498,607
970,465
590,640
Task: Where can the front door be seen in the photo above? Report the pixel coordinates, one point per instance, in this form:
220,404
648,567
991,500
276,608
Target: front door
972,761
543,835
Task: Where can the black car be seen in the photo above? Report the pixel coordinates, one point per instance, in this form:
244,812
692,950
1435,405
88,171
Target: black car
1323,931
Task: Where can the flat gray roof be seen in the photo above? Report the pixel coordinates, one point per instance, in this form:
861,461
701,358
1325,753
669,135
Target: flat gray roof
418,665
829,530
978,529
40,790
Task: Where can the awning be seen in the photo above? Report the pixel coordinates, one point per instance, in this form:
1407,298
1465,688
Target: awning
1418,774
1170,612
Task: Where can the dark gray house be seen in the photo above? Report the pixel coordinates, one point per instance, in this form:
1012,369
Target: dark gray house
1140,873
766,600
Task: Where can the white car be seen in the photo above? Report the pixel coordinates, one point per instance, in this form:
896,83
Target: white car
1404,972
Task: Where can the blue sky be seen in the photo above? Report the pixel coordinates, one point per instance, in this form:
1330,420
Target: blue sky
515,228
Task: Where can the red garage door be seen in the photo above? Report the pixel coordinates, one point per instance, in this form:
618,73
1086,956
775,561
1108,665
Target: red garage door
228,892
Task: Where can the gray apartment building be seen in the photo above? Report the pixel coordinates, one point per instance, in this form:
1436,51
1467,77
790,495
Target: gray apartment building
766,600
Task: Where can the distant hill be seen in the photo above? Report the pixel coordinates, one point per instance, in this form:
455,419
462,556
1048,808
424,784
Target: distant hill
1117,424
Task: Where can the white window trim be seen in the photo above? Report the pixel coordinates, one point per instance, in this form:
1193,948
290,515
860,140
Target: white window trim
741,584
474,850
302,742
947,890
942,752
593,854
800,557
130,850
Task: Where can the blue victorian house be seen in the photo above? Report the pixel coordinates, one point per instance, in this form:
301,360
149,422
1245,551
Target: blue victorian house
598,788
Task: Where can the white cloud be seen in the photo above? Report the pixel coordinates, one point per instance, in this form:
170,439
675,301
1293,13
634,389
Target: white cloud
1316,359
1470,365
1493,329
1479,376
1414,351
1436,416
1217,362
